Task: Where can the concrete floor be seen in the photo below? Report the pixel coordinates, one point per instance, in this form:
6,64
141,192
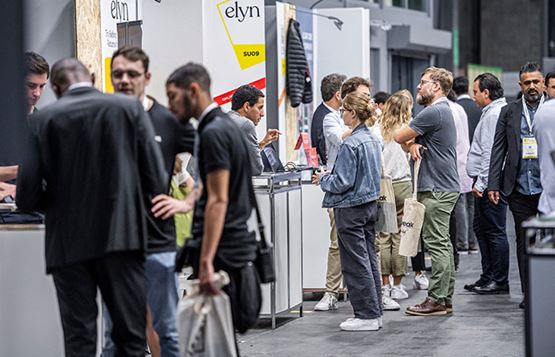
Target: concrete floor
479,326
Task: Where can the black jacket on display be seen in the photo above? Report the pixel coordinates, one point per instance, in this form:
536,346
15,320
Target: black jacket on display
298,82
92,159
317,137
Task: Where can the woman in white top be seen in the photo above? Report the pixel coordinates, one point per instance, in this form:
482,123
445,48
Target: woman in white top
397,112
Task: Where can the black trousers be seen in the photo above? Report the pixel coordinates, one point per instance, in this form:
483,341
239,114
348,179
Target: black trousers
120,278
453,237
522,207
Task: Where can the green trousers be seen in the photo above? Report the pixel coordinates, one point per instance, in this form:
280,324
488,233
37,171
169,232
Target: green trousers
435,233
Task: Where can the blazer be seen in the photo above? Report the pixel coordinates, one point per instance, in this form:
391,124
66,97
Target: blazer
506,149
91,164
317,137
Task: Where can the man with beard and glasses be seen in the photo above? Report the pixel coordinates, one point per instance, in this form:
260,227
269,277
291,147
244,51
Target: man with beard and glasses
514,168
432,138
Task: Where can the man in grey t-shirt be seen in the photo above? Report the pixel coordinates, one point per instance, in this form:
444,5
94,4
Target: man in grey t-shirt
247,109
432,137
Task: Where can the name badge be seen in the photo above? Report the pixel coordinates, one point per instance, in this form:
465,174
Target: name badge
529,148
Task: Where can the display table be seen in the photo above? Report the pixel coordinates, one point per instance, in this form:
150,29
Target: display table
279,197
28,307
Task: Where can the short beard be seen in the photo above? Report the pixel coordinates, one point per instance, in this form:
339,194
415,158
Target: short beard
423,100
532,98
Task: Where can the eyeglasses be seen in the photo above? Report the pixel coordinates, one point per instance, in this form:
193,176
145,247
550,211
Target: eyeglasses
342,111
131,74
424,81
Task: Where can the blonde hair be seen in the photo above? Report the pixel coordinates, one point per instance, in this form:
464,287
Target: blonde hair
362,105
442,76
397,112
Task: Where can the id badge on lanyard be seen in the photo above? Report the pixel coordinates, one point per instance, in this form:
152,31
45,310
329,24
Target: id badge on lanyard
529,143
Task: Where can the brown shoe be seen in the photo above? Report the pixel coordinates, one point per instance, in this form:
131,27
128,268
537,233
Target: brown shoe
428,308
449,308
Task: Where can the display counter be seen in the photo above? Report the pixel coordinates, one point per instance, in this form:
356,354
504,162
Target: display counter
28,307
280,201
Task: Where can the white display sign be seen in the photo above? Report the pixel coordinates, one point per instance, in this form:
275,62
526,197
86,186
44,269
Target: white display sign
233,46
113,12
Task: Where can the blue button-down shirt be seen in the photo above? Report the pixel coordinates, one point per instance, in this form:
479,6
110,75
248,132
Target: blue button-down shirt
528,177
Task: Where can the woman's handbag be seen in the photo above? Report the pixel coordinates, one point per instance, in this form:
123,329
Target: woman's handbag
413,219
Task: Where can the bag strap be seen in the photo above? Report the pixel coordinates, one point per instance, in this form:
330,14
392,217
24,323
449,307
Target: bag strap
254,203
416,172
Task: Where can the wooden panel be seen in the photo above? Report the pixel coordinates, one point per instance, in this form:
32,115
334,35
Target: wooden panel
87,33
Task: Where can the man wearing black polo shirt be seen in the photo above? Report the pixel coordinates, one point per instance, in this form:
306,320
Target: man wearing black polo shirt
130,76
221,213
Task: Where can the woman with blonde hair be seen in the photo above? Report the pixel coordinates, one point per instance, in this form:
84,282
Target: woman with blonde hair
352,190
397,112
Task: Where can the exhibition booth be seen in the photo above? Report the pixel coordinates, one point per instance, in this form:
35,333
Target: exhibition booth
240,42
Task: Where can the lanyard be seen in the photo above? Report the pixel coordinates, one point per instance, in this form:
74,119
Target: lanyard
526,112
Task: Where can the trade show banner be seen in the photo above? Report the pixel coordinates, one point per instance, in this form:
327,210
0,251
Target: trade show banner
112,13
234,46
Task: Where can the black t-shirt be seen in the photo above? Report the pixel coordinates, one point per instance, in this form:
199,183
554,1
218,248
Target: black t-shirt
174,138
222,146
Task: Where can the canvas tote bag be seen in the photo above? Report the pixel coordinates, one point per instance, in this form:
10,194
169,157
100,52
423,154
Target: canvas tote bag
387,209
413,219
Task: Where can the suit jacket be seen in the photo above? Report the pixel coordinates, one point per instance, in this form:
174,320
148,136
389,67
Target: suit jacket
473,112
506,149
317,137
91,158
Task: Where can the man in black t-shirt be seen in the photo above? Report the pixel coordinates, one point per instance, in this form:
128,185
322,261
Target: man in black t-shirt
130,76
221,213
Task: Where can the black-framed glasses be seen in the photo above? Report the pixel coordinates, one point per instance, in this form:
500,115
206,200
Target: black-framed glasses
118,74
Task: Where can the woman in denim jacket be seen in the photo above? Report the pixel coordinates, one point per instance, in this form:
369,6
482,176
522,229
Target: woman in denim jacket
352,189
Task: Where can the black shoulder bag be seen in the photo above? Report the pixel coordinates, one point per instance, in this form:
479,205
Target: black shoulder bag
264,261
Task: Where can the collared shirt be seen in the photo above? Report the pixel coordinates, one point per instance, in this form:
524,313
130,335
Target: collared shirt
477,165
334,127
528,176
80,85
249,129
464,96
330,108
207,110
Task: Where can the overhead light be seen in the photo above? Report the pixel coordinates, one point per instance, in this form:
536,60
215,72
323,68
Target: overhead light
336,20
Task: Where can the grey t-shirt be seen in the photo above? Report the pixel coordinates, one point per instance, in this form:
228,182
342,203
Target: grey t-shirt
436,129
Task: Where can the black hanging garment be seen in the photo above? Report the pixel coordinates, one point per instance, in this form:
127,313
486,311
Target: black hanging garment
298,83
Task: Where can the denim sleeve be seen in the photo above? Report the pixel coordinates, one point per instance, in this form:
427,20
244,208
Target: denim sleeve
343,175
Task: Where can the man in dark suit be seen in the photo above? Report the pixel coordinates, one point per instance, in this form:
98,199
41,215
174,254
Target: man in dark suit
331,101
473,112
92,159
514,167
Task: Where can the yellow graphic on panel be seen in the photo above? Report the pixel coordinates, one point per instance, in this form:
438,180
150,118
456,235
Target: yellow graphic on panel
247,55
109,88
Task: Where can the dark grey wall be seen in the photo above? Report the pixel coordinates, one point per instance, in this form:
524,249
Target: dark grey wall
511,33
12,117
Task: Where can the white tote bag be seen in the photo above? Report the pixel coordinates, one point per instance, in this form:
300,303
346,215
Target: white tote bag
205,324
413,219
387,209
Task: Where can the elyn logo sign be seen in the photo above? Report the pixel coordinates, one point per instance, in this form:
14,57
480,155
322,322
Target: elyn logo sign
244,26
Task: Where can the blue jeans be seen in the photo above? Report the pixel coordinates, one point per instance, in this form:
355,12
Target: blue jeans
359,263
490,229
162,297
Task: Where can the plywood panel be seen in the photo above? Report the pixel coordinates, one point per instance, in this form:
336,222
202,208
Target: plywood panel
87,33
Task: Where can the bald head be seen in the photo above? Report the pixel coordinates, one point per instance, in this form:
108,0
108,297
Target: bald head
66,72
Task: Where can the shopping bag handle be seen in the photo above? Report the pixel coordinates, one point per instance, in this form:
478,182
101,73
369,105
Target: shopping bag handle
416,172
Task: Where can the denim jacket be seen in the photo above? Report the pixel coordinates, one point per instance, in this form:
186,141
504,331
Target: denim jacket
355,178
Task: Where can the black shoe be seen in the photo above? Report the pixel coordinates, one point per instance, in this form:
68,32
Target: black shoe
521,305
479,282
491,289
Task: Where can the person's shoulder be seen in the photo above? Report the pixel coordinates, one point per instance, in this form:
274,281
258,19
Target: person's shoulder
159,110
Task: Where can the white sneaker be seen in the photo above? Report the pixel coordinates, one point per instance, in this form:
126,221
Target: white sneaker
328,302
421,282
386,290
389,304
398,292
356,324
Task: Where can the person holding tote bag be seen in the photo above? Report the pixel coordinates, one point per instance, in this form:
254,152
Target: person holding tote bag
352,190
397,112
